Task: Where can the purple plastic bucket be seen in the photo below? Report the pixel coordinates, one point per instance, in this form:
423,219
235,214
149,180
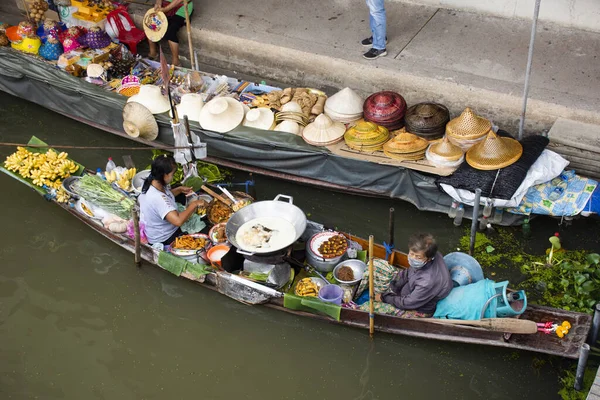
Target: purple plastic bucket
331,294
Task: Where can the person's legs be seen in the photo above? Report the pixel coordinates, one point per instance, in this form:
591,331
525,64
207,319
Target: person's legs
153,49
174,53
377,20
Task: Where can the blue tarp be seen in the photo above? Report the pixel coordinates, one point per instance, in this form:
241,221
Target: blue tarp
466,302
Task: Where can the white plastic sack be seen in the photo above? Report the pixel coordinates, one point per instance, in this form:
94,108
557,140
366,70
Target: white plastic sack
547,167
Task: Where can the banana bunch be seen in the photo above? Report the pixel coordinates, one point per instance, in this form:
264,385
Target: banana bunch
306,287
122,179
48,168
62,196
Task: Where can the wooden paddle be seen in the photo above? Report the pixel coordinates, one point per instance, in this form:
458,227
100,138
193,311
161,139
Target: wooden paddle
372,290
195,77
217,196
507,325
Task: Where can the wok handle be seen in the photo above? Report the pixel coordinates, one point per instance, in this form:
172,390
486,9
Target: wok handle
245,253
290,199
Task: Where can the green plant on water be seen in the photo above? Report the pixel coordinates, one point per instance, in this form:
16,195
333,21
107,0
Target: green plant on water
568,392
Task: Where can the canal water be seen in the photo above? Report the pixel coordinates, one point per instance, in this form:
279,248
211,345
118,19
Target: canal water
79,321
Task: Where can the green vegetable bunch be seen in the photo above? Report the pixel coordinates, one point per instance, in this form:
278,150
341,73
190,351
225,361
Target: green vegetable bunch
100,193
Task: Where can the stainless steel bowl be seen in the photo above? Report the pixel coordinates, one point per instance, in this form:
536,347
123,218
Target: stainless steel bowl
358,268
323,264
138,180
67,184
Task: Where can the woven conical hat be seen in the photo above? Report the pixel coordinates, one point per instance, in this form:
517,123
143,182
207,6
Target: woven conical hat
366,136
405,143
468,126
138,121
221,114
494,152
290,127
260,118
155,25
445,150
323,131
150,97
346,102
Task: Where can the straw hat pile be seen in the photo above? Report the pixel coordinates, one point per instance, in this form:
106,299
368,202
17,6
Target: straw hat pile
406,146
291,118
138,121
323,132
467,129
221,114
427,120
346,106
151,97
444,154
191,104
366,136
494,152
260,118
386,109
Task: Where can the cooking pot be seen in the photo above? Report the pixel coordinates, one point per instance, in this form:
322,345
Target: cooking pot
316,260
275,208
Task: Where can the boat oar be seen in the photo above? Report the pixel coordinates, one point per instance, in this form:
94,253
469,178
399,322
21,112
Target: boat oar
195,77
507,325
372,290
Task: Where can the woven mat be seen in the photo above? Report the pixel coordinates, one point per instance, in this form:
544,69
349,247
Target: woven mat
379,157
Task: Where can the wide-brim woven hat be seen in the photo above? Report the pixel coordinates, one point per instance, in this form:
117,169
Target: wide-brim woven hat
468,126
494,152
95,71
323,131
290,127
155,25
406,143
427,120
191,105
260,118
221,114
444,154
345,102
151,97
366,136
138,121
385,108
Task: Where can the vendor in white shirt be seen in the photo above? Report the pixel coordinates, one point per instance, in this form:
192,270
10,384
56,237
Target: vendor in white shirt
157,203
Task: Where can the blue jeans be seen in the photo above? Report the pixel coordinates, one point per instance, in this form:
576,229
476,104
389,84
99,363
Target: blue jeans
377,22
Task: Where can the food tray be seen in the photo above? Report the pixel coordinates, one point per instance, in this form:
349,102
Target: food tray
182,253
319,239
318,281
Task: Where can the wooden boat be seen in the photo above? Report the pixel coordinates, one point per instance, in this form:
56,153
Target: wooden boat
568,347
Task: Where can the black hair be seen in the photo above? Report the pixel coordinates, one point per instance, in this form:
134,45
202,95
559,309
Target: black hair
161,166
423,242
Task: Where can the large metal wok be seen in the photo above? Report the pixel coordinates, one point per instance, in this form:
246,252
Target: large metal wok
285,210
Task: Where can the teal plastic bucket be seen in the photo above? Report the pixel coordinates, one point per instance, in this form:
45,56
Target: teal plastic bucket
331,294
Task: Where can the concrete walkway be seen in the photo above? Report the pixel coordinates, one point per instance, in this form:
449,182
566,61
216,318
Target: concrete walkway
456,58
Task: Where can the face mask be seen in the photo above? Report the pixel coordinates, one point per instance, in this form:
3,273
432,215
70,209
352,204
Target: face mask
413,262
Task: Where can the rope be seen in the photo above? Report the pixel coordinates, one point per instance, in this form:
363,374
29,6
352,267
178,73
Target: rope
41,146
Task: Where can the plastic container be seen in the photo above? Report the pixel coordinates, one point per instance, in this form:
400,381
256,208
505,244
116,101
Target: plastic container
459,215
526,228
453,209
331,294
99,174
110,165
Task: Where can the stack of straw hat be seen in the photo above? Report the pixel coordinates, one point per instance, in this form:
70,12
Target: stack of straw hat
444,154
260,118
291,118
494,152
151,97
138,121
323,131
191,105
406,147
221,114
346,106
386,109
427,120
366,136
467,129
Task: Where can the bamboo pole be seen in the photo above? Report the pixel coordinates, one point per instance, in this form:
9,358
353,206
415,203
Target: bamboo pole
391,232
371,289
138,243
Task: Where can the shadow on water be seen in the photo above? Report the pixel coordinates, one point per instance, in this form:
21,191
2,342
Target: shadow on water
78,320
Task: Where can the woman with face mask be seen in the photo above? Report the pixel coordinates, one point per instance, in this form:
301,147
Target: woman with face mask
417,290
158,208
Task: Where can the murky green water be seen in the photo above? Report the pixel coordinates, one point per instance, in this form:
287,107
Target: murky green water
79,321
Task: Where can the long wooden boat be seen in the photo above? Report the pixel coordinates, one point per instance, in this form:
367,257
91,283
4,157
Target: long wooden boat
568,347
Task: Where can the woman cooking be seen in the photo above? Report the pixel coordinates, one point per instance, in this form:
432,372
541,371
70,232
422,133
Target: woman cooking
157,203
